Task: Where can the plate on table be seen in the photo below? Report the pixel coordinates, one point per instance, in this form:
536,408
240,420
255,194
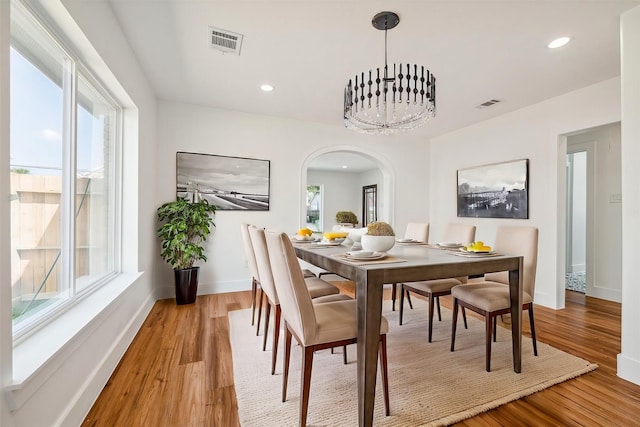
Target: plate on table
407,241
476,251
364,255
450,245
329,243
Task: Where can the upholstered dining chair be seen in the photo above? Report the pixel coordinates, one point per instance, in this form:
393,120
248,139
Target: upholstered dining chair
314,326
319,290
490,297
417,231
256,290
434,289
251,260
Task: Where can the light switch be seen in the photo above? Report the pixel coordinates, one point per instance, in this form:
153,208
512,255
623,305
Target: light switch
615,198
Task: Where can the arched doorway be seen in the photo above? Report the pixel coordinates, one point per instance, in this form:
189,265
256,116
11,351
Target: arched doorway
367,165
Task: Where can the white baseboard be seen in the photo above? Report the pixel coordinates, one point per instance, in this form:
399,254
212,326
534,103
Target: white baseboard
90,390
166,292
629,369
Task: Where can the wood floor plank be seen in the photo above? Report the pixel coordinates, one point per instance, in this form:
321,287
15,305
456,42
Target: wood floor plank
178,371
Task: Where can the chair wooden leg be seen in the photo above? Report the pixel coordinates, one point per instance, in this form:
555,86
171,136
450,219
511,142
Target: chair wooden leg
439,313
254,288
267,316
276,336
409,301
394,288
495,329
260,298
533,330
305,383
402,292
464,317
344,354
285,361
488,341
454,320
385,373
431,303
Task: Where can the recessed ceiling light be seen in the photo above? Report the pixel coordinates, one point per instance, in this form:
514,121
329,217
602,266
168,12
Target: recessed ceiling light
266,88
344,166
559,42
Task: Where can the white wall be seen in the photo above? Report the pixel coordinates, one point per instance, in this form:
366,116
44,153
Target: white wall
288,144
66,385
629,357
533,133
341,193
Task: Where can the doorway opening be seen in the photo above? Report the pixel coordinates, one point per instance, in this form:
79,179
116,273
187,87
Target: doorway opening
575,276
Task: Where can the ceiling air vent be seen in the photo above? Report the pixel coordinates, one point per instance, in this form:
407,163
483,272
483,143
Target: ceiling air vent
488,103
225,41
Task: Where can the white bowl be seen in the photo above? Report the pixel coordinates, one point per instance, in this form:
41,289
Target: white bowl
355,234
377,243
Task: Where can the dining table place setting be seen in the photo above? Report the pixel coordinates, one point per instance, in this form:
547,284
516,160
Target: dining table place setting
361,257
474,250
409,242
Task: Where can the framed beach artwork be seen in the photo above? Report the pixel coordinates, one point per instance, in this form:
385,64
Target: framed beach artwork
499,190
230,183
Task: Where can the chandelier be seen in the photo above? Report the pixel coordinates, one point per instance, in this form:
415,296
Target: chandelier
378,102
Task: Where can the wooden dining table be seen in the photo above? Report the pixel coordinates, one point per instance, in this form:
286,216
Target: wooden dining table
406,263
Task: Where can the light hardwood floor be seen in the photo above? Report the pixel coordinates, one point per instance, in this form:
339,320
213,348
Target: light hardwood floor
178,370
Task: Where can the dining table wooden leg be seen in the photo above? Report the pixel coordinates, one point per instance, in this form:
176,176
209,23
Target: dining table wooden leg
515,295
369,308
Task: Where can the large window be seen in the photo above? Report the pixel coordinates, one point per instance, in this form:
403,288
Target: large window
314,207
64,139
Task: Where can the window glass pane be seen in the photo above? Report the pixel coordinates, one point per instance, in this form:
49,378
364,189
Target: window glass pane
37,162
314,207
94,186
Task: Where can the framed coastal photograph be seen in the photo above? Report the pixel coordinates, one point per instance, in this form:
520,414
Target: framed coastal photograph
230,183
499,190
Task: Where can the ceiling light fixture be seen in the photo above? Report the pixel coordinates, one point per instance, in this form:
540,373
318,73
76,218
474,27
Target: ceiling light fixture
559,42
383,103
266,88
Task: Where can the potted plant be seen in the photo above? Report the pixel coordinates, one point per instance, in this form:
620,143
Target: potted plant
380,237
185,226
346,217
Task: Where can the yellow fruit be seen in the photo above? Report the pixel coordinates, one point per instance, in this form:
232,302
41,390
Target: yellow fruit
305,232
335,235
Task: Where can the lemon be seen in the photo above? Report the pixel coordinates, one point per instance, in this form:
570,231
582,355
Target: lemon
305,232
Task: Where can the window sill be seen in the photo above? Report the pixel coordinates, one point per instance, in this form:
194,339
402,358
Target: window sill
42,352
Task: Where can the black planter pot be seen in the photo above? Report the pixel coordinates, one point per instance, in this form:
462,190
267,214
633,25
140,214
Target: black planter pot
186,282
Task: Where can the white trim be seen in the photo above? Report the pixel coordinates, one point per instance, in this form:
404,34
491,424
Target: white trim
39,355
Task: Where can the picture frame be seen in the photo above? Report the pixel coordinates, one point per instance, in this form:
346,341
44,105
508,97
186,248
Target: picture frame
229,183
498,190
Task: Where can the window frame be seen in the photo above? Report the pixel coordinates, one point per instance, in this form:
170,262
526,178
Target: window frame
27,327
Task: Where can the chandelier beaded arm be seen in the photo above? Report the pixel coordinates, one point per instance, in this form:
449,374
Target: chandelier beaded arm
390,103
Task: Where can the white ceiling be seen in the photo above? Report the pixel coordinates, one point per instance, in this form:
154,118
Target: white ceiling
308,49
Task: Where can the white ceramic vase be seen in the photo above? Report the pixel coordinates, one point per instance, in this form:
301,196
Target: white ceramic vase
377,243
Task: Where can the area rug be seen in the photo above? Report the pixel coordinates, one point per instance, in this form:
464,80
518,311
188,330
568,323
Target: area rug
428,384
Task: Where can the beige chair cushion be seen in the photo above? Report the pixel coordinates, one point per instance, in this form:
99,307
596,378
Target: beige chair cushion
460,233
331,298
248,250
312,324
434,286
307,273
319,288
517,240
338,321
262,261
487,296
417,231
